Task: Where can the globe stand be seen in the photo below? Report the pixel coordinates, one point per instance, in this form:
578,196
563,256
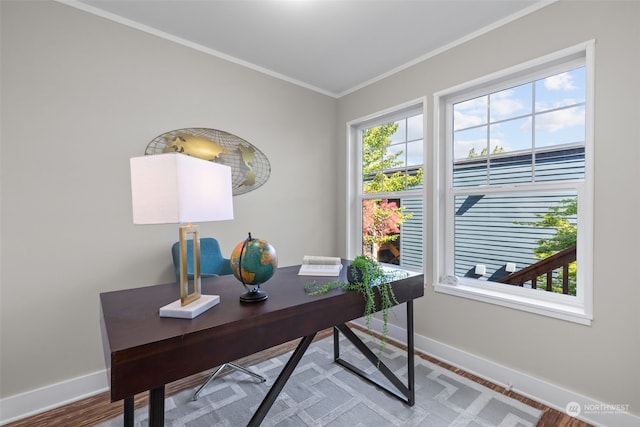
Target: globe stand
254,295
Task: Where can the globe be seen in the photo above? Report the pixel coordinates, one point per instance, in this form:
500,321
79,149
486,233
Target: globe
253,262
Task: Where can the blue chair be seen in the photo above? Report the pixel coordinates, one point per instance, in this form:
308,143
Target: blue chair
212,264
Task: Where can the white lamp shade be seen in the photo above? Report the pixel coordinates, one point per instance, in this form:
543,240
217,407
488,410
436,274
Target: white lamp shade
175,188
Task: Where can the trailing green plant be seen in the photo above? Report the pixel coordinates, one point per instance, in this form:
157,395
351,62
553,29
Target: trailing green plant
313,288
365,276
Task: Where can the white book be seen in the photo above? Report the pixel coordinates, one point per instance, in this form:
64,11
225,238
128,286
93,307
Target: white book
320,266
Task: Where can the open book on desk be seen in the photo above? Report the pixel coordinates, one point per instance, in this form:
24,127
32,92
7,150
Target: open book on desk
320,266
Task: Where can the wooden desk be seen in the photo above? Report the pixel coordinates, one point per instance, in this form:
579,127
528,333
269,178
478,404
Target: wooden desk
144,351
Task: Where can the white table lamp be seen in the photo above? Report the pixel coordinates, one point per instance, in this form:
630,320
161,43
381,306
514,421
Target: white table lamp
175,188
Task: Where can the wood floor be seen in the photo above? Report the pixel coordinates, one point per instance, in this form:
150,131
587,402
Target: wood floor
96,409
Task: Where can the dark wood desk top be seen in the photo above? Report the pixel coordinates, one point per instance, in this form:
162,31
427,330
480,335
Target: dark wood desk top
145,351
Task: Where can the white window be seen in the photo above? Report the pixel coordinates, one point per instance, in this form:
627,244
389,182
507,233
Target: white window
514,202
386,193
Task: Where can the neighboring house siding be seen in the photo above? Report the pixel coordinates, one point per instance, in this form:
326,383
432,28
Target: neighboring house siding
492,230
563,164
486,229
411,240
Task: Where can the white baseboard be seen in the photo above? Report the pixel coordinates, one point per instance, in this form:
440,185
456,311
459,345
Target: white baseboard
33,402
556,397
36,401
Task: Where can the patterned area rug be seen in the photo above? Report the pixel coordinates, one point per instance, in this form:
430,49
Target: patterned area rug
321,393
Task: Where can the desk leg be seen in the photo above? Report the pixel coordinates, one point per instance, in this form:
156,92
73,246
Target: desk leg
279,384
156,407
406,393
128,412
411,368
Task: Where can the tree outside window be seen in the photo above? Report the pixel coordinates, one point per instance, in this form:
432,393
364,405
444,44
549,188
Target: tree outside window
386,168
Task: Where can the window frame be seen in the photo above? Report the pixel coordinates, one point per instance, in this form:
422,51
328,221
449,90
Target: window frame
577,308
355,195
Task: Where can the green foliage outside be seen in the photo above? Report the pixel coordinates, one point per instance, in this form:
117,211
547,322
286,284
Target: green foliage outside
376,159
381,218
484,152
566,234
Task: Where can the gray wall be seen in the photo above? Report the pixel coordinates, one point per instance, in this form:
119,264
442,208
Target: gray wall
600,361
80,96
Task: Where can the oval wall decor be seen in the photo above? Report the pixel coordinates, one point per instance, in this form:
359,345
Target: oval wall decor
250,168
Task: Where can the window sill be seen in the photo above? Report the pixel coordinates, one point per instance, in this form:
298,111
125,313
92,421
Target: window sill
519,299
